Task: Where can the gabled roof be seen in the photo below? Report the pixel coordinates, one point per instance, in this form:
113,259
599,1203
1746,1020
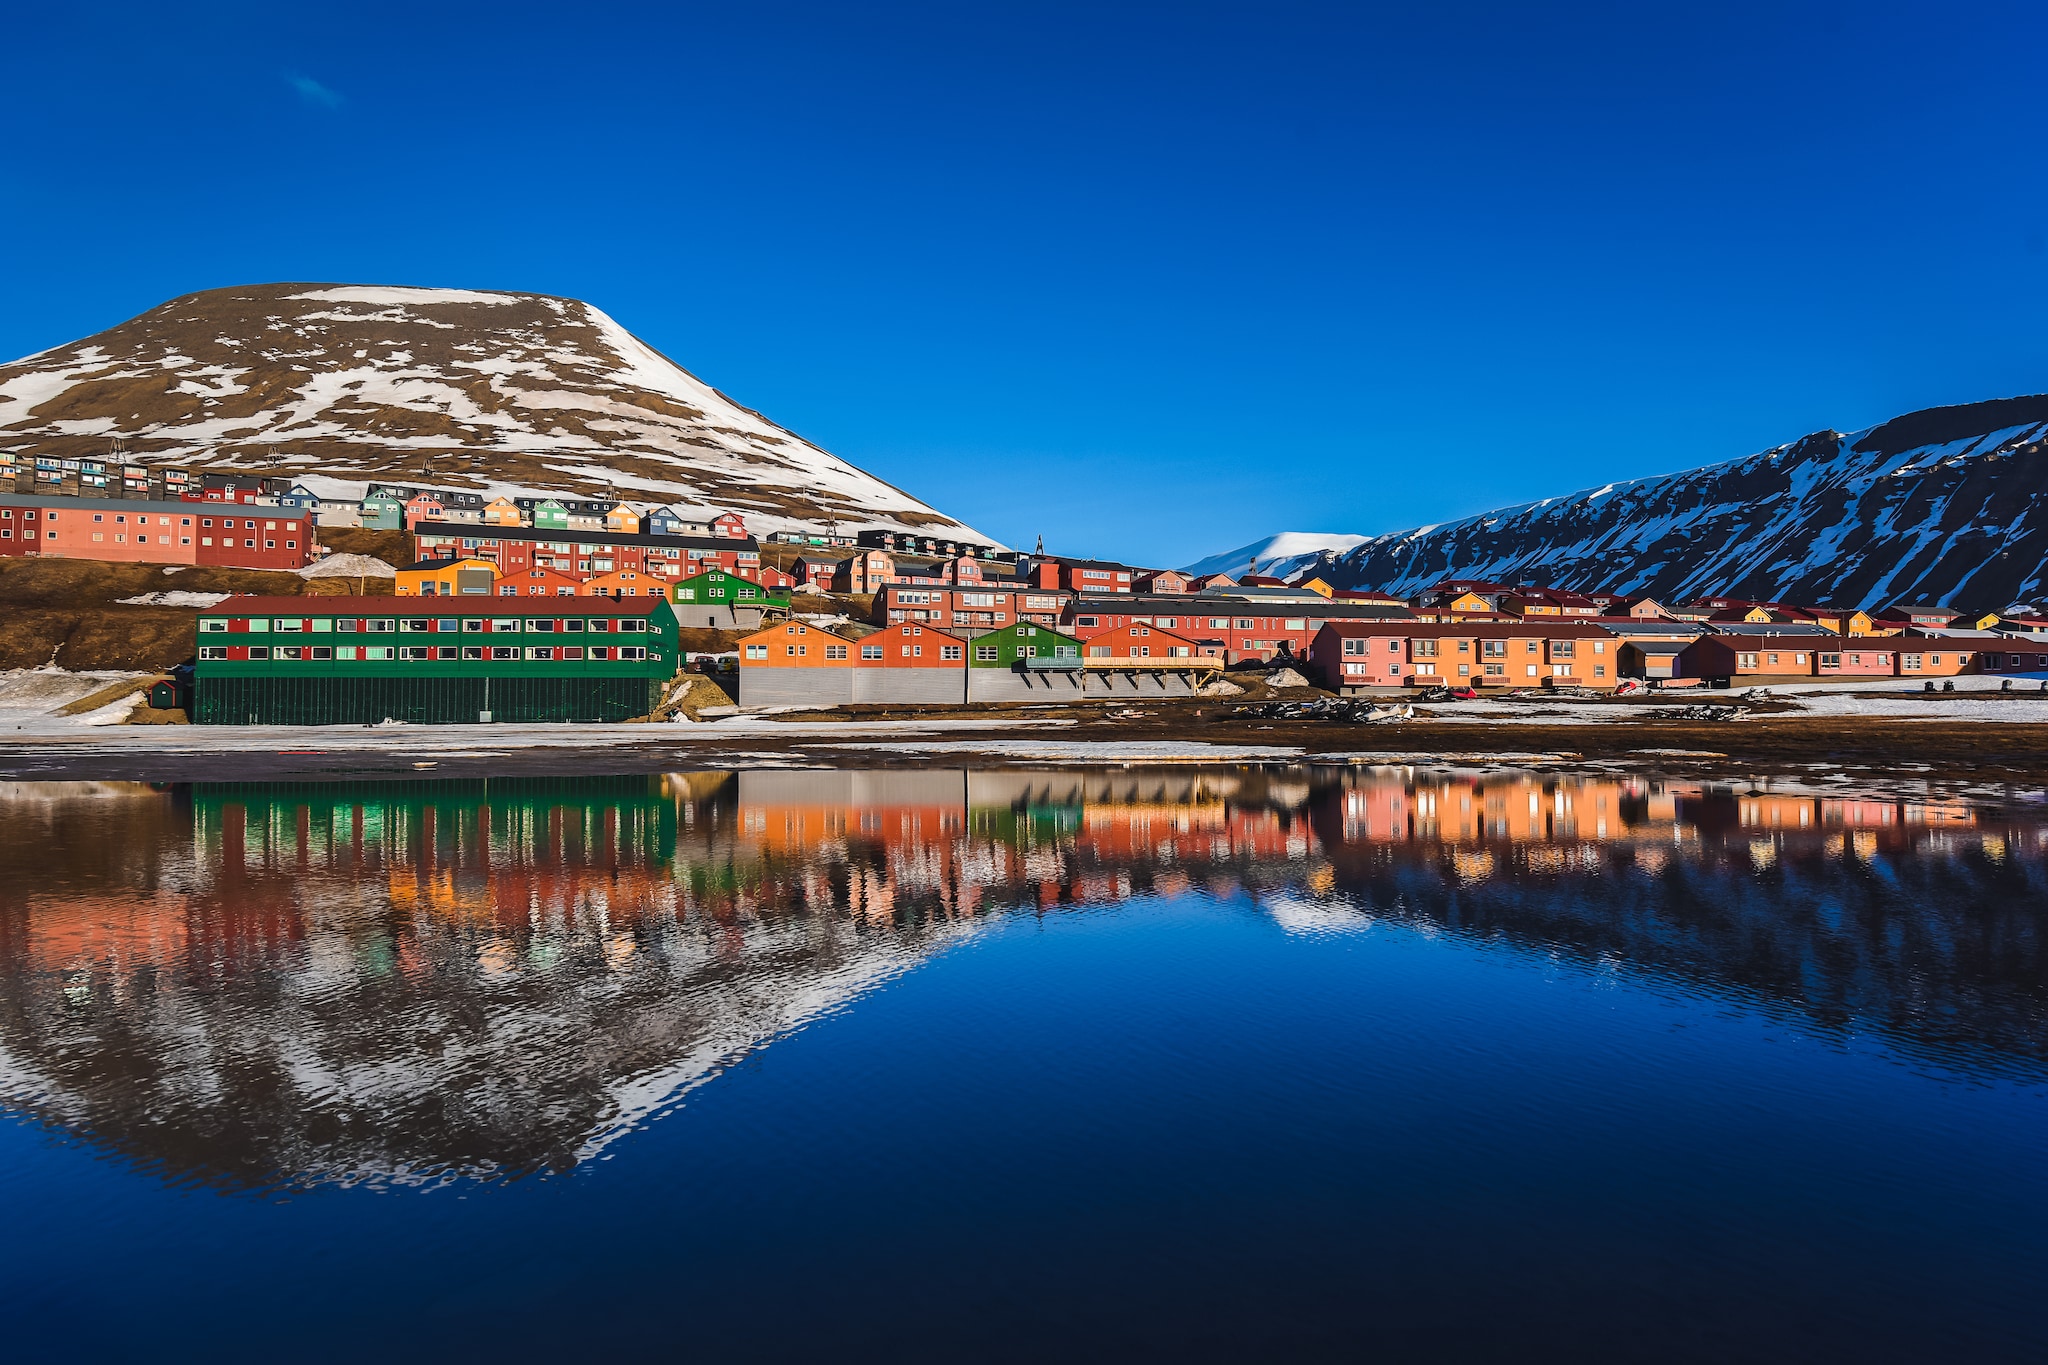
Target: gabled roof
433,606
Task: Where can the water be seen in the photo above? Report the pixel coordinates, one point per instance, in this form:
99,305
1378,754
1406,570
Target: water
1188,1063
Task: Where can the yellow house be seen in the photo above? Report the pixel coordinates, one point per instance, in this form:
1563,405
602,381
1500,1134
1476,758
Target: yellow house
1984,621
1859,623
447,578
623,583
1317,586
1467,601
622,519
502,512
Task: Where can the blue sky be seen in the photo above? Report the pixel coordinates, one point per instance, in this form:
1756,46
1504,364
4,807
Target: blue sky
1151,280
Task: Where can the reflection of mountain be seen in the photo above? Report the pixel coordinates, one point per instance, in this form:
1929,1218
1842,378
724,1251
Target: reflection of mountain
250,985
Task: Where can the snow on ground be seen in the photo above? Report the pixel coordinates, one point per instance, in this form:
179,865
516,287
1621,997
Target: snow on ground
177,597
349,566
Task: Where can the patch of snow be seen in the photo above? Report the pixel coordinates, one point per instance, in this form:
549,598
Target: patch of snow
177,597
402,295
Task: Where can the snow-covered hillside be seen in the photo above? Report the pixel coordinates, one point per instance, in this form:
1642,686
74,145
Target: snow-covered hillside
1277,556
455,387
1947,504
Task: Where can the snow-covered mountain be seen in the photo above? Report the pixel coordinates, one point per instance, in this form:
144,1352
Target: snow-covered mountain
1277,556
454,387
1947,504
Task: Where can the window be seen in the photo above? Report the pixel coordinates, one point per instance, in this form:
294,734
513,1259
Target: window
1098,651
631,651
1423,649
1830,661
289,652
634,625
213,651
1531,670
1745,661
381,627
986,654
1494,649
213,625
1562,649
414,653
537,625
542,653
1492,670
870,651
835,651
414,625
259,651
320,653
949,651
504,651
1465,670
504,625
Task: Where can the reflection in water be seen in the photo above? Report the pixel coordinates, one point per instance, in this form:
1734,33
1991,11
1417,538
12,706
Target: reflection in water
256,985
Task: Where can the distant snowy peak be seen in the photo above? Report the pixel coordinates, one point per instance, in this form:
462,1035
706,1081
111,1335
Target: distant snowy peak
460,388
1276,556
1947,505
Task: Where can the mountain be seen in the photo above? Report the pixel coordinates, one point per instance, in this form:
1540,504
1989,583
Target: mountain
1277,556
348,384
1948,505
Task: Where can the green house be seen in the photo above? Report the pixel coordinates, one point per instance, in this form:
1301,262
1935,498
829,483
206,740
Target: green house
1003,648
381,511
717,587
549,515
364,661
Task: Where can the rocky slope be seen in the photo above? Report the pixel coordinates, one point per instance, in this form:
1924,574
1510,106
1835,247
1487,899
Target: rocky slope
460,388
1947,504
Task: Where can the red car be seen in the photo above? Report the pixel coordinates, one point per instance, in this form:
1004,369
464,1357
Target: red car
1464,694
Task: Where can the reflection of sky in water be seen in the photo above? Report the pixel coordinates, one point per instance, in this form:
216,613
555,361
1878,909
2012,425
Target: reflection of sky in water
253,986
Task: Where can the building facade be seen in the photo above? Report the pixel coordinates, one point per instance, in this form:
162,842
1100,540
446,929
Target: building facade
338,661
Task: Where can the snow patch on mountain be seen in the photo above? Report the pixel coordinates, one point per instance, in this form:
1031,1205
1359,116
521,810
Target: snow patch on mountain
1947,503
1277,556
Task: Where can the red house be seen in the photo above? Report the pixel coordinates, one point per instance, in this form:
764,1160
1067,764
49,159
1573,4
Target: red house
1139,642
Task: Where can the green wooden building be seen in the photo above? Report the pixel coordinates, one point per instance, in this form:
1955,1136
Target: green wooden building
1023,662
361,661
382,510
722,601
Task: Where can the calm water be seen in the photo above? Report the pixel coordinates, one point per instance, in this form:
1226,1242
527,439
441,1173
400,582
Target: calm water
1187,1063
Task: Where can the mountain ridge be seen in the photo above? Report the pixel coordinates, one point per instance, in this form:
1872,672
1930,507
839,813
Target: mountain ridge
1931,505
491,390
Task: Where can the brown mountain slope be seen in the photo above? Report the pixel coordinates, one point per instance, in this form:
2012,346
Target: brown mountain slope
461,388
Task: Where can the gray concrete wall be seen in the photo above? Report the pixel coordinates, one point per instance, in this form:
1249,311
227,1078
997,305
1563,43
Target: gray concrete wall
1109,685
1004,684
716,616
761,686
911,686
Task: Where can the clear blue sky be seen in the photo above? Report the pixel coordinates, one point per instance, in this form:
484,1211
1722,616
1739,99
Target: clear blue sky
1150,279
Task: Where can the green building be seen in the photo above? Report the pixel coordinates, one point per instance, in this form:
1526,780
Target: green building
549,515
361,661
1023,662
719,600
382,511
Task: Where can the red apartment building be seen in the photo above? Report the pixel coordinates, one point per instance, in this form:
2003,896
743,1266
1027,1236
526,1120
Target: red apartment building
138,531
1552,653
972,609
586,554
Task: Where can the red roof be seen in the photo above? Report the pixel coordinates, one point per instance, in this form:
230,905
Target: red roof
477,605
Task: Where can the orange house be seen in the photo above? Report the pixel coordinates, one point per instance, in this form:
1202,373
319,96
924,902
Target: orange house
795,664
622,583
537,583
1139,642
623,520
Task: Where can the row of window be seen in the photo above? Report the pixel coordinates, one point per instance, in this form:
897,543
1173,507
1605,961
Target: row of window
1428,670
121,519
427,653
429,625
